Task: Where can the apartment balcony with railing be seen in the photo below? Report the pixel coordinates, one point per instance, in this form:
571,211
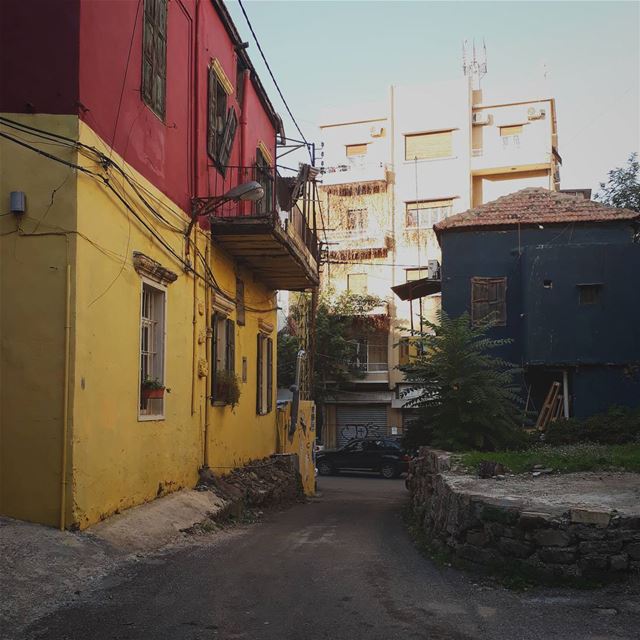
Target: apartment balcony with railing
354,170
506,152
268,225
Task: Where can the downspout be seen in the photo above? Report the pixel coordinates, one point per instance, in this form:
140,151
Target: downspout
65,399
194,337
565,392
207,305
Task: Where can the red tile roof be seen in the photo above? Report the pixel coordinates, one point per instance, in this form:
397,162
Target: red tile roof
535,206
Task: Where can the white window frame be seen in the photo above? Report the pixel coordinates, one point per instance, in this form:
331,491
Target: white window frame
142,417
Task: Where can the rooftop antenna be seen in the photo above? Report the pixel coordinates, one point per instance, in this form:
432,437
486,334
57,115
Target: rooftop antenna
476,68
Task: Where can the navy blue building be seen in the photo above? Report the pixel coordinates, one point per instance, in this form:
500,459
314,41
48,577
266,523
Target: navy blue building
560,275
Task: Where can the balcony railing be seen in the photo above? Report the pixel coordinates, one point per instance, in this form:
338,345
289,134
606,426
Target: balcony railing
216,205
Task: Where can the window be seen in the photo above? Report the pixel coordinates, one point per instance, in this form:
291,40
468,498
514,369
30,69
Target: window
223,355
428,146
264,176
357,219
221,123
425,213
488,301
356,150
371,354
154,55
152,330
589,293
511,135
240,319
357,283
264,399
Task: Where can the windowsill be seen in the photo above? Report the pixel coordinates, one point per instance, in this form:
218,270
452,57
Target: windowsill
418,228
155,418
419,160
219,403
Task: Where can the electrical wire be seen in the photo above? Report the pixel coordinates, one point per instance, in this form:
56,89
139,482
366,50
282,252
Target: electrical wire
275,82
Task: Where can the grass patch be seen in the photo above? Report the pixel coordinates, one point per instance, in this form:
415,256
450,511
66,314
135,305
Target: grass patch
566,459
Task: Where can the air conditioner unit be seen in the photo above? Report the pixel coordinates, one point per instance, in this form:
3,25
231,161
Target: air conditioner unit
536,114
481,118
433,269
377,132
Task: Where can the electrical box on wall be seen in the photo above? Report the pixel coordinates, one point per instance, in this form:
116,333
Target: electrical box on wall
17,202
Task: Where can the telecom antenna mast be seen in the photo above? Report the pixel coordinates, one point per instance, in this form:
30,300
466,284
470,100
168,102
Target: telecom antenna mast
476,67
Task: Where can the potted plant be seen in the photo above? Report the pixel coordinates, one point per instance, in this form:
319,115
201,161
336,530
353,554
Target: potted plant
227,388
151,389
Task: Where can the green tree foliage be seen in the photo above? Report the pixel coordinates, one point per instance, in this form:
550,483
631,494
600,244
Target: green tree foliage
622,188
338,320
467,398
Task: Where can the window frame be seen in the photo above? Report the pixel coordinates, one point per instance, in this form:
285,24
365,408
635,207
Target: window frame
152,32
161,289
417,209
364,290
348,147
264,175
265,377
416,158
221,345
500,301
362,218
594,289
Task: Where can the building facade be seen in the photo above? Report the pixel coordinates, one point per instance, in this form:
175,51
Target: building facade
139,267
391,173
557,275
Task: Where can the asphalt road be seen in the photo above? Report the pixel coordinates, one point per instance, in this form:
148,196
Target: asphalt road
342,568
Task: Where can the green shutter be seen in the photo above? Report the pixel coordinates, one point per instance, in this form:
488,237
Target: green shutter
260,381
230,351
269,374
214,355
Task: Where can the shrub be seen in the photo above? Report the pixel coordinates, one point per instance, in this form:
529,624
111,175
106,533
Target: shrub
618,426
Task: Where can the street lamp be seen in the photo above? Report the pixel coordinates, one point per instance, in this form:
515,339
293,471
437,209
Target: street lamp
246,192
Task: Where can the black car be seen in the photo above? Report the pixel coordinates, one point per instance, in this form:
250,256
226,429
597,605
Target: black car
381,455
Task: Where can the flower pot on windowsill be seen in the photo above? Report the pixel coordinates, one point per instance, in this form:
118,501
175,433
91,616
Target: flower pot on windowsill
152,394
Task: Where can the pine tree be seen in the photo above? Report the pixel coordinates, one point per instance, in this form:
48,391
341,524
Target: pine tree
467,398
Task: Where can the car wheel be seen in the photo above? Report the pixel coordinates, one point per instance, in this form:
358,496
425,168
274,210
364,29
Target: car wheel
388,470
325,468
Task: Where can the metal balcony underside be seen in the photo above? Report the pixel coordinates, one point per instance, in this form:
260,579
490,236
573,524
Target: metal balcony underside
274,251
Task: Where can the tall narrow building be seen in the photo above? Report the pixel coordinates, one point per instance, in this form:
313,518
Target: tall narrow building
389,174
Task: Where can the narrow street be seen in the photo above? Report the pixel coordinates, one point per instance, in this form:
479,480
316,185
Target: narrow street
339,567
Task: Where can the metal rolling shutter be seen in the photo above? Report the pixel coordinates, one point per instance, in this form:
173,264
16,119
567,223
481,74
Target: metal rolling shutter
359,421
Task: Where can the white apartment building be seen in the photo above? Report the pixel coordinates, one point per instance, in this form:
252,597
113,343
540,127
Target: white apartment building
389,175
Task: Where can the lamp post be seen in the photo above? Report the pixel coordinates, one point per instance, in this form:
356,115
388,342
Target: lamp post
246,192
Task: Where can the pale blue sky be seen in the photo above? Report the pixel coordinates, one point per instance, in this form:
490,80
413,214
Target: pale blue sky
329,53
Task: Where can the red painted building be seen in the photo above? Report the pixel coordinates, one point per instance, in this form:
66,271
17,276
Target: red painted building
85,58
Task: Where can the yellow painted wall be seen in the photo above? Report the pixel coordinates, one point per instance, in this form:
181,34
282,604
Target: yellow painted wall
302,441
115,459
32,319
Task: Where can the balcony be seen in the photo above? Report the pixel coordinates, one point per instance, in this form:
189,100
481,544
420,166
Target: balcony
271,236
509,154
354,170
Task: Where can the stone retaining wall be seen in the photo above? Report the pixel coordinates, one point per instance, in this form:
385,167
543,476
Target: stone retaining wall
496,532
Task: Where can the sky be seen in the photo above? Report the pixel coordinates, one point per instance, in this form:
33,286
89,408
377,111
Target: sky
328,54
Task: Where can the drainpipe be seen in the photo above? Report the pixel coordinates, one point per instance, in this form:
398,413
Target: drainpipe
565,392
295,404
207,307
65,400
194,337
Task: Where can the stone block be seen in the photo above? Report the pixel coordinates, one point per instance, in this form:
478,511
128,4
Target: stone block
597,517
585,532
593,563
533,520
479,555
552,538
515,548
498,513
607,547
619,562
477,538
633,550
556,555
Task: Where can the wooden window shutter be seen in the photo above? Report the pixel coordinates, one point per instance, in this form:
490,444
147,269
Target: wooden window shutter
501,307
230,351
356,150
479,300
214,355
269,374
427,146
228,136
240,311
259,380
211,114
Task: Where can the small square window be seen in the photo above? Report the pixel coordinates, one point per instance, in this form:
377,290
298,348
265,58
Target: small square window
590,293
547,284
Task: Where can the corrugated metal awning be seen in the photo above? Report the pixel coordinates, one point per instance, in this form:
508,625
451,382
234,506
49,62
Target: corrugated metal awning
417,288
